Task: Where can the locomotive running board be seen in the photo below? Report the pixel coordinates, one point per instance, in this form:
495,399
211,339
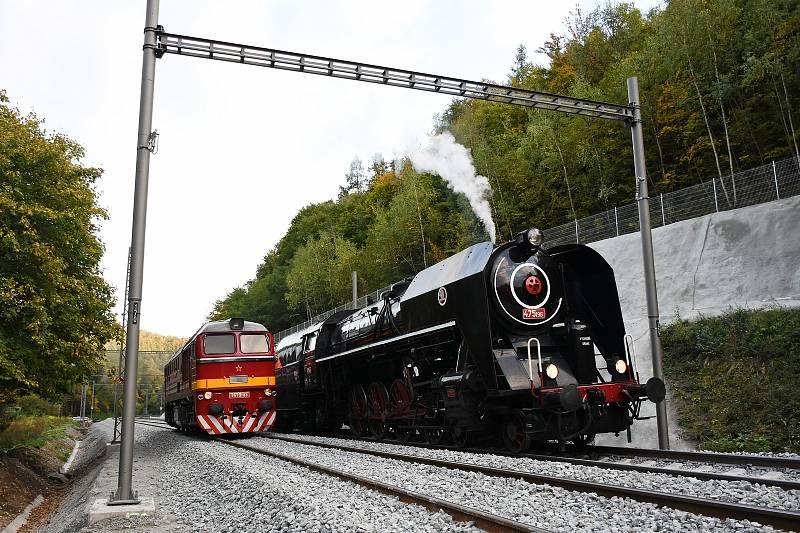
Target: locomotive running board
392,340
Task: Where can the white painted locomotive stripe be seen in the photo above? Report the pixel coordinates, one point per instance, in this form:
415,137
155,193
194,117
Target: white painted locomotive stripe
261,420
216,425
234,427
203,423
249,424
271,419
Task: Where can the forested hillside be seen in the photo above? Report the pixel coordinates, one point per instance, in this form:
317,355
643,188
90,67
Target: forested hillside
150,375
720,90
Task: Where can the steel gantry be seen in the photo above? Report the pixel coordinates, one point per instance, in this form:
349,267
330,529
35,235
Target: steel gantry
158,42
170,43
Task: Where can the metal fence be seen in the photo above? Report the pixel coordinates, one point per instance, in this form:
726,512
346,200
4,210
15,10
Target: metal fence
361,302
779,179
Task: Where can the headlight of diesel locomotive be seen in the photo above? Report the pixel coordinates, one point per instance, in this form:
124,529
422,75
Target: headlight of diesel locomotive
551,371
207,395
620,366
535,236
268,392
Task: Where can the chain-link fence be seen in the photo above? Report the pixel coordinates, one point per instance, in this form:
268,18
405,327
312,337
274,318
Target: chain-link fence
779,179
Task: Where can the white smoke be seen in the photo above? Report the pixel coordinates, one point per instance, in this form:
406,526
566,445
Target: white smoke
452,161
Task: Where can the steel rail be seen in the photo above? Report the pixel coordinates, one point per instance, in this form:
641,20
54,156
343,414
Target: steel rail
709,457
460,513
785,484
170,43
778,518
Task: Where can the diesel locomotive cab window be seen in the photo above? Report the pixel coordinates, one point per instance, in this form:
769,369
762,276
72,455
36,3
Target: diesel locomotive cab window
219,344
254,343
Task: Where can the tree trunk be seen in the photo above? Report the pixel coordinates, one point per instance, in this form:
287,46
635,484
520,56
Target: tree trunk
708,127
564,166
724,120
421,229
791,123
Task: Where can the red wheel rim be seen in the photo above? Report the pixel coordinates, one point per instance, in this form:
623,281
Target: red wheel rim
400,396
358,411
378,405
514,435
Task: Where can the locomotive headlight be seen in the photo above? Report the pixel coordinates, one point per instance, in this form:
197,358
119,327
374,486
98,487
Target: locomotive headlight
551,371
207,395
620,366
535,236
268,392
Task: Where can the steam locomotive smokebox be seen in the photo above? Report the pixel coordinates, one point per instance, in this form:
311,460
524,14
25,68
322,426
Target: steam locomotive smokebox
454,290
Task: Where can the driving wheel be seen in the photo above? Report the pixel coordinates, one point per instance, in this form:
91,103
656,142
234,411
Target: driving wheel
358,411
378,399
514,436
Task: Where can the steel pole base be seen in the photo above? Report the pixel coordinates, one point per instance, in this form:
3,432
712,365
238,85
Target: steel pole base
114,500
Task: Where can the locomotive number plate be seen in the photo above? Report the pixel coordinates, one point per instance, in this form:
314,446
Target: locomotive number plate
237,379
533,314
239,394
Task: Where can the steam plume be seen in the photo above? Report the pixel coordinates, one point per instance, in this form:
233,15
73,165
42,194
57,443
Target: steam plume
452,161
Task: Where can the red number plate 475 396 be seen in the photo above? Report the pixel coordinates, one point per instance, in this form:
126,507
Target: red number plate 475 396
239,394
533,314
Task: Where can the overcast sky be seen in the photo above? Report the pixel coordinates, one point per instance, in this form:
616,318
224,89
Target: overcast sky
242,148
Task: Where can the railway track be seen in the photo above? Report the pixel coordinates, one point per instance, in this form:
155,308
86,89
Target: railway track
461,513
766,461
783,519
609,462
606,457
778,518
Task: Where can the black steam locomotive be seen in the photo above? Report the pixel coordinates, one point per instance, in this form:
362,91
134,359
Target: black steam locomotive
514,341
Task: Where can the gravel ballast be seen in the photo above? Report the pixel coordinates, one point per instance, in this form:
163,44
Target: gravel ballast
539,505
728,491
209,486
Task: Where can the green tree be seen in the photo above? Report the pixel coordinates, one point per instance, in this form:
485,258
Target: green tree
55,308
319,278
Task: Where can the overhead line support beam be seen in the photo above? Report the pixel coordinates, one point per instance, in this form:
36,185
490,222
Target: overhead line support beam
170,43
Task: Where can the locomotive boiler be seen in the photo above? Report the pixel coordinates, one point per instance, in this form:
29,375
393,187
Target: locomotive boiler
515,342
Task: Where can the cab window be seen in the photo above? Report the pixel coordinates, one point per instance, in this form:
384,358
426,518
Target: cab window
219,344
254,343
310,342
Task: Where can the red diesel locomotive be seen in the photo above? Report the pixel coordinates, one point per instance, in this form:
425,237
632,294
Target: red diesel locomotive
222,380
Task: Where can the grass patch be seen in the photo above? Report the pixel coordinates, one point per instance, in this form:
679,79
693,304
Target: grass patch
37,432
736,378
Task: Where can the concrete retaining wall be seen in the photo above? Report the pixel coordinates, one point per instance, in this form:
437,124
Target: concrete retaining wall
748,257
